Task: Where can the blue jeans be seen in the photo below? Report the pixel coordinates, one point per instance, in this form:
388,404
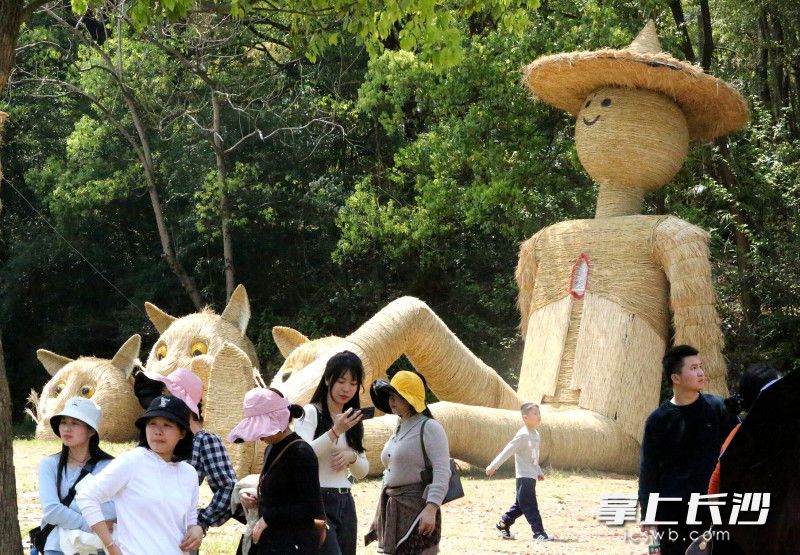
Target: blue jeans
525,504
340,511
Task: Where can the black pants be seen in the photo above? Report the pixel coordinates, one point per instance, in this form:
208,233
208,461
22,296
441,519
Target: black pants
525,504
285,542
340,510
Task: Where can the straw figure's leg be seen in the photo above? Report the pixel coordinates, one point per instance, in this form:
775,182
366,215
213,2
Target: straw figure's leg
682,250
571,437
227,377
408,326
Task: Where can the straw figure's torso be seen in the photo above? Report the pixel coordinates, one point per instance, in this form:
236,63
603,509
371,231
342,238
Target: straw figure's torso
599,315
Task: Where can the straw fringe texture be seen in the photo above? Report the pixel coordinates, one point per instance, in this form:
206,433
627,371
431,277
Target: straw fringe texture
112,391
682,250
408,326
712,107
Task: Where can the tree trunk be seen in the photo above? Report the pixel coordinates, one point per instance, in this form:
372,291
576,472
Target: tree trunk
706,37
167,252
11,15
680,21
10,540
763,68
224,198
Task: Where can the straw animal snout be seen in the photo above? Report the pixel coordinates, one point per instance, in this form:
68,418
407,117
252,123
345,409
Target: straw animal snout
631,137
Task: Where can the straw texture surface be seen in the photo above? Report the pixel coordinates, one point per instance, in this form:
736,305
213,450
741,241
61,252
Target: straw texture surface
712,107
108,385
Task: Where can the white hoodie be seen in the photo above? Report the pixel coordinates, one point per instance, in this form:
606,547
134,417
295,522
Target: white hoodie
156,501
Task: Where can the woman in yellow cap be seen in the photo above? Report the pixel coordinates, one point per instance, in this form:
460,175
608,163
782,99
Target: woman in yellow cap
408,520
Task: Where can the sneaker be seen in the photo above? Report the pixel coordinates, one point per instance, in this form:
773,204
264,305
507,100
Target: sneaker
542,537
505,530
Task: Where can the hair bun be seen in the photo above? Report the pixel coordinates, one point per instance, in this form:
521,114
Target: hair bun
296,411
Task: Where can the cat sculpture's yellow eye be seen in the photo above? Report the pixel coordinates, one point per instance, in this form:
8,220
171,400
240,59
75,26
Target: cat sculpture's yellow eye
161,352
87,391
59,387
199,348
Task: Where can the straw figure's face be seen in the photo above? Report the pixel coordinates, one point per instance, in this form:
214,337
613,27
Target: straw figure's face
106,382
298,350
631,137
201,334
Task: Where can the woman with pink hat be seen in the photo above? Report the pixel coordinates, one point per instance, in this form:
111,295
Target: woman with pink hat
209,457
288,489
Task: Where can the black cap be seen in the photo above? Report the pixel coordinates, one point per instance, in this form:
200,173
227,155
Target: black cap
167,407
146,389
379,391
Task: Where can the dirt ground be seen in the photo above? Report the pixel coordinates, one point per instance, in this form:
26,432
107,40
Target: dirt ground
569,502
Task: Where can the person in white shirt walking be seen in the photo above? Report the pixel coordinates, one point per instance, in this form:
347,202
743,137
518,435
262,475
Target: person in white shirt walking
154,489
525,448
332,425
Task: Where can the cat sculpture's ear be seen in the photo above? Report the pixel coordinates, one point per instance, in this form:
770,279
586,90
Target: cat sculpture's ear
126,357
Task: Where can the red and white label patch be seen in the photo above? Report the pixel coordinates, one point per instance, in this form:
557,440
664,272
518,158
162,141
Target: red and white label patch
579,279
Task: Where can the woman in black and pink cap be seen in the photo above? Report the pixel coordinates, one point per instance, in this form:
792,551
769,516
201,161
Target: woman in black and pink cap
289,499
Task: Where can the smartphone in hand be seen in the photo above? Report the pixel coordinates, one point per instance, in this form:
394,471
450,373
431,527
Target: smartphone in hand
372,535
367,413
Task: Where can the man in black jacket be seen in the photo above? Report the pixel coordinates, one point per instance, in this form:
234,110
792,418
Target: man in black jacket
681,444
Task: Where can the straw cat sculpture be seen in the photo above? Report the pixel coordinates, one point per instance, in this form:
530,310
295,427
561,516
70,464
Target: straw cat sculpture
215,348
597,297
106,382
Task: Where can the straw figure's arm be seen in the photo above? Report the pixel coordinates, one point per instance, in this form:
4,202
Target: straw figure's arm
682,250
407,326
228,376
526,279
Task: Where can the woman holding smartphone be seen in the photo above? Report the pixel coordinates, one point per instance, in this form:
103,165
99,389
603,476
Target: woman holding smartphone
332,425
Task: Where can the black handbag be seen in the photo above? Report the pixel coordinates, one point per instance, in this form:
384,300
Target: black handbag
454,488
38,536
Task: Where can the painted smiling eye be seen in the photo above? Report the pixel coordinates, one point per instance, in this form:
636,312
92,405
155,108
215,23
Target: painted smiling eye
161,352
199,348
606,103
59,387
588,102
87,391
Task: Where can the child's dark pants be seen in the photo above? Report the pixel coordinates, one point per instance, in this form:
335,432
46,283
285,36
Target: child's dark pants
525,504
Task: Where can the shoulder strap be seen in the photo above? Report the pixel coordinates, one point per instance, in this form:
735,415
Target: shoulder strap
278,457
422,443
87,469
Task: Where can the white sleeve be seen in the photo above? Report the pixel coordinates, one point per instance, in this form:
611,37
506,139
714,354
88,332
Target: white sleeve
192,517
91,494
305,428
360,468
510,448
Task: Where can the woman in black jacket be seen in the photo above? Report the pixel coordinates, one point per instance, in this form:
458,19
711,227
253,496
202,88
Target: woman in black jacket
290,504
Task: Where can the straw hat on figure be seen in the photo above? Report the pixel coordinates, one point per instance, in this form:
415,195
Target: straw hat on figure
598,297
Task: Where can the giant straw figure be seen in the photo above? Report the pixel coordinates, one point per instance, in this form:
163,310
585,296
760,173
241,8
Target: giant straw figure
597,297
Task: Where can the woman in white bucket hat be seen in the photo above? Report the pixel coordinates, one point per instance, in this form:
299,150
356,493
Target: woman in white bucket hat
80,454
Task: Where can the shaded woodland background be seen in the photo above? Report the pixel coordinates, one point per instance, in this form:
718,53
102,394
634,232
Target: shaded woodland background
168,159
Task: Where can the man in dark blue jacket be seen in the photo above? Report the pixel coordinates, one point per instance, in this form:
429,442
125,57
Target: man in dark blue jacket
681,444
